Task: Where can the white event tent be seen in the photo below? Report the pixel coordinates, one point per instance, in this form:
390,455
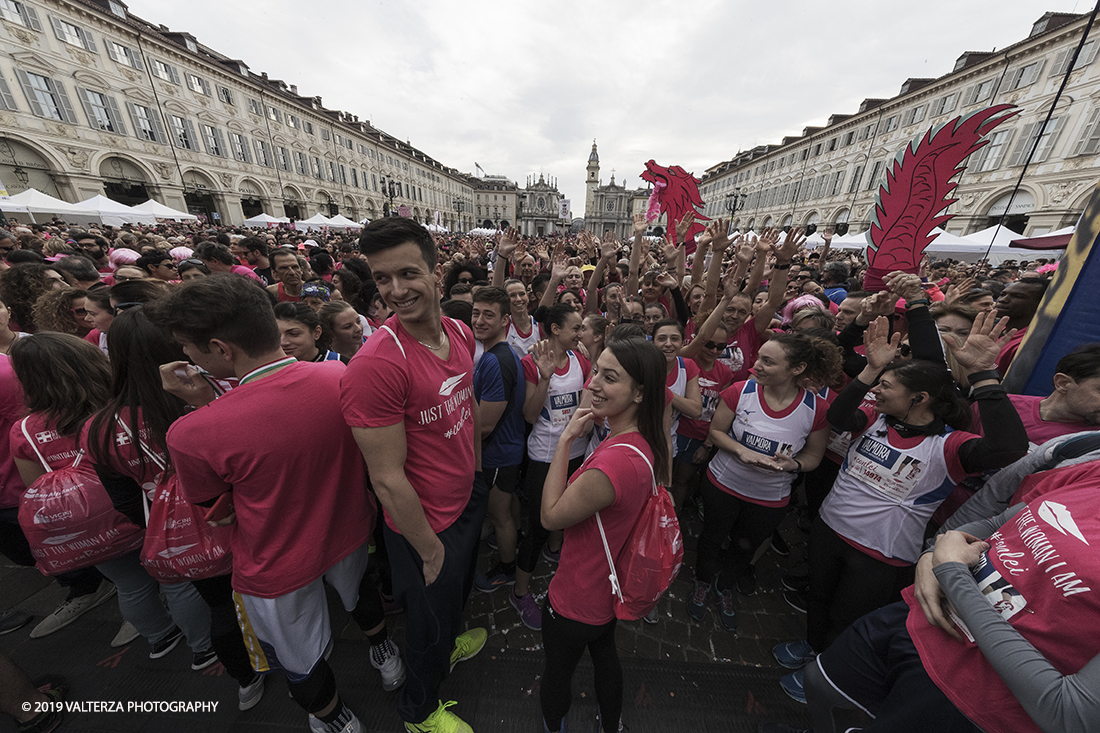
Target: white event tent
316,221
114,214
342,222
161,211
263,220
38,203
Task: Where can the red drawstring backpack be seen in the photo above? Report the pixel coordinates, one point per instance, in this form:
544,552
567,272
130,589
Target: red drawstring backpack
69,519
651,558
179,544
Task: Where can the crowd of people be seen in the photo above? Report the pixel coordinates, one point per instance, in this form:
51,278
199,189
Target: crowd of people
540,387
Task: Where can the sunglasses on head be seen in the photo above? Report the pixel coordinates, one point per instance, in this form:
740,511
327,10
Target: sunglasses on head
124,306
905,350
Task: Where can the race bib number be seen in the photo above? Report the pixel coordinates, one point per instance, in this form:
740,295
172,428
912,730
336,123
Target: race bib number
885,469
562,407
839,442
996,589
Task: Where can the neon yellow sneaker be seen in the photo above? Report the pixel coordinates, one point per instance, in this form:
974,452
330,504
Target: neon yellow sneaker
467,645
441,721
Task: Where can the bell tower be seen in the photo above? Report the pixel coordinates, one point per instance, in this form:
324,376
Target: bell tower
592,182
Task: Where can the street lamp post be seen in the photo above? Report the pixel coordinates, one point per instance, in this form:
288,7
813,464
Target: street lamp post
458,207
391,191
734,200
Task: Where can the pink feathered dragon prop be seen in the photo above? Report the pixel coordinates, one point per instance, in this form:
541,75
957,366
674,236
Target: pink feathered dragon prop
675,193
911,201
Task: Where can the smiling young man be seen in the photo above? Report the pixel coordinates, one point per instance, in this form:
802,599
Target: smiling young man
298,523
421,439
500,394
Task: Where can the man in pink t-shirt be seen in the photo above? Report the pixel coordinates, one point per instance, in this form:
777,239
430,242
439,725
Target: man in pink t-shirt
408,397
301,511
219,259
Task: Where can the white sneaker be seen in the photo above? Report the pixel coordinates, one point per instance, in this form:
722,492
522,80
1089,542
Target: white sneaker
387,659
72,609
346,723
125,635
248,697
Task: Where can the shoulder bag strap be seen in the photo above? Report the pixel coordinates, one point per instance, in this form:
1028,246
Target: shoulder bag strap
144,446
614,576
34,446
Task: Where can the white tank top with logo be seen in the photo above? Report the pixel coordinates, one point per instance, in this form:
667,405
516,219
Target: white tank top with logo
678,388
522,344
886,492
562,399
766,434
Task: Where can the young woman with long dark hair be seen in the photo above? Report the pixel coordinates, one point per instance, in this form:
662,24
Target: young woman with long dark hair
65,381
628,391
555,376
905,457
302,335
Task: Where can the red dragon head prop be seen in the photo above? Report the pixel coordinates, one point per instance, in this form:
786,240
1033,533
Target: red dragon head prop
675,193
911,201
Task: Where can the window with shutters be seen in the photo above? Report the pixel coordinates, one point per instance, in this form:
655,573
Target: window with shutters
343,175
1046,142
873,180
73,35
836,186
274,115
867,132
212,137
1089,141
374,181
821,186
47,97
857,178
102,111
339,140
325,133
989,157
239,143
318,170
165,71
1086,57
945,104
181,132
301,163
20,13
282,158
292,121
848,139
1023,76
355,178
308,127
255,107
226,96
124,55
198,85
332,171
146,123
915,115
831,145
263,153
891,124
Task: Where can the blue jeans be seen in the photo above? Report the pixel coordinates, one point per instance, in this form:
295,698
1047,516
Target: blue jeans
139,601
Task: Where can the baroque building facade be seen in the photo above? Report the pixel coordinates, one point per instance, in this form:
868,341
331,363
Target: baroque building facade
829,175
496,201
540,207
608,207
96,100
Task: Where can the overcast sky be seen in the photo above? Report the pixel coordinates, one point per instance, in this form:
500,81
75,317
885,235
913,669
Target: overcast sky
523,87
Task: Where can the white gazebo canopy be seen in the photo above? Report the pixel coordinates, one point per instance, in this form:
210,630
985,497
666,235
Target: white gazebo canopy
115,214
342,222
261,220
46,205
314,222
161,211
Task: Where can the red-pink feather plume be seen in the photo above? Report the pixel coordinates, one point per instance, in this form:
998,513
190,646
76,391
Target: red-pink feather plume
917,189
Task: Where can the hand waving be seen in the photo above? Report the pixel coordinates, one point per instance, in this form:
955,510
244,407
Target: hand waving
984,343
881,349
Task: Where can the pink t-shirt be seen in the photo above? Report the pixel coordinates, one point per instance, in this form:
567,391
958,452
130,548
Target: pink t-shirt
126,456
12,411
1038,430
58,450
741,350
390,382
580,589
297,476
711,384
246,272
1008,351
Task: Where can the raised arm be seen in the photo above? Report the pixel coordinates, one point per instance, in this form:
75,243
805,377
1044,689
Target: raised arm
778,285
720,242
635,256
729,289
699,258
609,250
557,272
506,247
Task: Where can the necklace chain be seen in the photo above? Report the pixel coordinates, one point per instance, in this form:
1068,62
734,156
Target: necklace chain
442,341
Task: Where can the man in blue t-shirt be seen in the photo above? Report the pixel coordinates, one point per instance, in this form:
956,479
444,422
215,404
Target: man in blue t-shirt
500,392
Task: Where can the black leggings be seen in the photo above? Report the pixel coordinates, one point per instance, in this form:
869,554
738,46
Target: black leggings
819,482
746,525
564,641
534,534
845,584
225,633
